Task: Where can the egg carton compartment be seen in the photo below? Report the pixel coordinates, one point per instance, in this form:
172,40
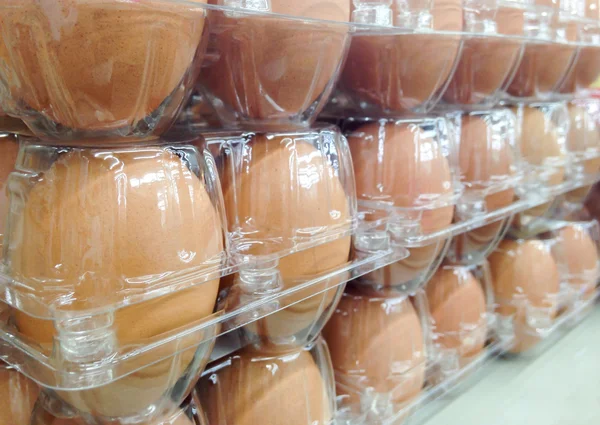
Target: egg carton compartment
527,288
576,251
285,192
583,139
128,80
585,68
462,319
379,346
536,343
273,64
253,386
49,411
542,134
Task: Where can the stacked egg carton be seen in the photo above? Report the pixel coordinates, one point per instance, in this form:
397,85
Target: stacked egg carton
461,129
168,200
131,244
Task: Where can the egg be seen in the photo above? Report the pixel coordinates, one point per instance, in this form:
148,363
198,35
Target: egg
485,64
136,60
583,137
458,310
9,149
592,9
272,69
541,147
485,158
286,188
524,273
377,346
402,165
579,256
104,225
251,388
592,202
399,73
17,397
584,72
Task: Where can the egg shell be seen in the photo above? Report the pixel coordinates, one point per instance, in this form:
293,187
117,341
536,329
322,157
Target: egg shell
510,20
400,164
592,9
17,397
541,69
484,66
377,344
584,137
9,149
585,70
251,388
399,72
136,58
158,211
272,68
578,253
458,309
297,189
524,269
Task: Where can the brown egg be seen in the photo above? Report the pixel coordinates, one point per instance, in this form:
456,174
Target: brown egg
592,9
579,255
524,273
137,57
156,217
510,18
271,68
584,137
585,71
377,344
458,309
17,397
402,165
484,66
297,190
252,388
399,72
9,149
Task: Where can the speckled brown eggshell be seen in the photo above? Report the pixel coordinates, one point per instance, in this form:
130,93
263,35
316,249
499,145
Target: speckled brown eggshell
285,206
526,268
107,64
255,388
457,302
160,210
377,343
17,397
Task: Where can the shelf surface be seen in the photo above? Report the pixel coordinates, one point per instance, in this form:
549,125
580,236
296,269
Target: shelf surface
560,386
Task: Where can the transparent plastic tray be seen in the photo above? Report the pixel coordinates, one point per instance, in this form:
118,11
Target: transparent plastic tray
251,386
583,139
273,70
585,68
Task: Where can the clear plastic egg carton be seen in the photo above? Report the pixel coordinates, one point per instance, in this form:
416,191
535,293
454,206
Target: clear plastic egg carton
395,353
462,318
576,250
379,348
272,64
266,62
251,386
583,139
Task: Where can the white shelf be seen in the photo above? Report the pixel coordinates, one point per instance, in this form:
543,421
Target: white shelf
560,386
